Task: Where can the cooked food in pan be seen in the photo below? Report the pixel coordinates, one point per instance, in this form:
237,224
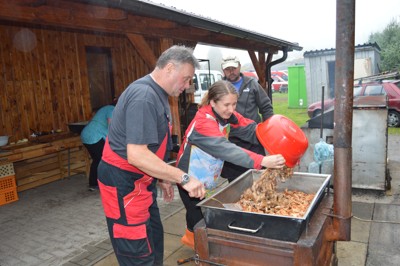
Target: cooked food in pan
262,196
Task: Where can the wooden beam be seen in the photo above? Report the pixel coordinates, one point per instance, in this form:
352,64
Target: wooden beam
263,66
165,43
145,51
259,66
81,16
256,62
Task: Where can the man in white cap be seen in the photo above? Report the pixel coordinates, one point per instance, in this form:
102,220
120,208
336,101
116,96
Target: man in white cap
253,103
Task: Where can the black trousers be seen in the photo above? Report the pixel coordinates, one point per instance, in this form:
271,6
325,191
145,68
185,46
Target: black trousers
193,213
95,151
231,171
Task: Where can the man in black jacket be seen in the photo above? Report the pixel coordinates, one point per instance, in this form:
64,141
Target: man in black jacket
253,103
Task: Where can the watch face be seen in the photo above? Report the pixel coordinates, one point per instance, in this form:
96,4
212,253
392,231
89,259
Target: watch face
185,179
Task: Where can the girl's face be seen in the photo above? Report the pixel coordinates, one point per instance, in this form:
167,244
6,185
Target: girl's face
225,106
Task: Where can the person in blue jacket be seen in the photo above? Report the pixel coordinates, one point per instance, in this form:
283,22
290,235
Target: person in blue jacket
206,146
93,136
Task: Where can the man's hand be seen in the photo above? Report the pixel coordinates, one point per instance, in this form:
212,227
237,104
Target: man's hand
167,190
195,188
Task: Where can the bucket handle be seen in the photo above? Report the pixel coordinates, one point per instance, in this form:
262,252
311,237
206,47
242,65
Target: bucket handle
253,231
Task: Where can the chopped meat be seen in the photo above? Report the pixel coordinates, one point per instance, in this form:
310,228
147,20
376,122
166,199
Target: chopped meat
262,196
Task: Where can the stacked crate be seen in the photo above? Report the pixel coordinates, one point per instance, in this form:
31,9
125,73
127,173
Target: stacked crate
8,187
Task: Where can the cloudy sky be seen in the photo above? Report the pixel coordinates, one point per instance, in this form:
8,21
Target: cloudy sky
311,23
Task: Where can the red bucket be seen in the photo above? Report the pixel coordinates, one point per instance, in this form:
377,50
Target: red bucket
280,135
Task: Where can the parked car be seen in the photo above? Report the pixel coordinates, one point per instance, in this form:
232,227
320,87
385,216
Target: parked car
202,80
279,84
281,73
388,87
250,74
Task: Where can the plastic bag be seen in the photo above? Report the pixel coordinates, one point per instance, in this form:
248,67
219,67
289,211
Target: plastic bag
313,167
323,151
325,167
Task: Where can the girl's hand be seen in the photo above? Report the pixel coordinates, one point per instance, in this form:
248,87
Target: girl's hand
273,161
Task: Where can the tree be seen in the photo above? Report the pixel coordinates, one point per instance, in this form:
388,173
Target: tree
389,42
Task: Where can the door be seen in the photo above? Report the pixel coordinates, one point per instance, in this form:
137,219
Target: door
101,83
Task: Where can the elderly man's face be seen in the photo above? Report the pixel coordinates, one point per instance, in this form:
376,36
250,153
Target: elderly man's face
232,74
179,78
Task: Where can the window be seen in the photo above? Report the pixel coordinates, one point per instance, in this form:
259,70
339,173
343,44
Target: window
206,81
195,82
357,91
374,90
277,79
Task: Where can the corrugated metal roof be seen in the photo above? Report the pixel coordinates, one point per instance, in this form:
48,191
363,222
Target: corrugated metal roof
333,50
151,9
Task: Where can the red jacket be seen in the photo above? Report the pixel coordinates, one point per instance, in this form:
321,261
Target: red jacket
206,146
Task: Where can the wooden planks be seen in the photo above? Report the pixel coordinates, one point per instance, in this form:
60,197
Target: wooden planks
45,87
48,168
40,163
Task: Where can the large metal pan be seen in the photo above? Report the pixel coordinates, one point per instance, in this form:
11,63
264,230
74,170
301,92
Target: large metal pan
279,227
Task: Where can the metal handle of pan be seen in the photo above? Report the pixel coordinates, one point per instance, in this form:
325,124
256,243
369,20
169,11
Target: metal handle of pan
253,231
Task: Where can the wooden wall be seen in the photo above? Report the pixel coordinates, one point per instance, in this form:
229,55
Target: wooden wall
43,75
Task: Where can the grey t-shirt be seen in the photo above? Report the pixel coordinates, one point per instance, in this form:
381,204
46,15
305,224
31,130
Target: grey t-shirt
141,117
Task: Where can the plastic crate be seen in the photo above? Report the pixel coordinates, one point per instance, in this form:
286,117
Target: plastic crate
8,190
6,170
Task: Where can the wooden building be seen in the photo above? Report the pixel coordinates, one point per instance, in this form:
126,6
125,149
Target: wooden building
60,60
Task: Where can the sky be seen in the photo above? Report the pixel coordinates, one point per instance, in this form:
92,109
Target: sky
310,23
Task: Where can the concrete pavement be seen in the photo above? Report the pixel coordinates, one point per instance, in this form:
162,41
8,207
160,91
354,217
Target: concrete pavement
62,223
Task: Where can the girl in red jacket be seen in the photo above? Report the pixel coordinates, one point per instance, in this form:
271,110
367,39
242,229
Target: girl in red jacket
206,146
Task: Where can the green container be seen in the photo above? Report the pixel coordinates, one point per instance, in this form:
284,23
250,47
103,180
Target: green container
297,91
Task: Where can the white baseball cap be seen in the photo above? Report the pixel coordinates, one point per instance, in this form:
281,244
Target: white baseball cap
230,61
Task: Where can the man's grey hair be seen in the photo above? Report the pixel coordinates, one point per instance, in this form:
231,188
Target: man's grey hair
178,54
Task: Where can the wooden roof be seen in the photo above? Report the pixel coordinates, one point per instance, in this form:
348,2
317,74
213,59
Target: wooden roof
139,17
205,30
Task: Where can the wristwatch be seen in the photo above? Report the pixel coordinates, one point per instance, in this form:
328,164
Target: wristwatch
185,179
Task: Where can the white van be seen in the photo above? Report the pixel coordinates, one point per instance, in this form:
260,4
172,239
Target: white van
202,80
